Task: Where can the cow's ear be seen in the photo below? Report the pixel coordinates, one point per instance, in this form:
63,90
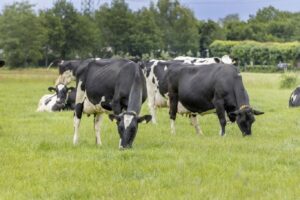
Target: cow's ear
70,88
234,114
113,116
147,118
217,60
51,89
257,112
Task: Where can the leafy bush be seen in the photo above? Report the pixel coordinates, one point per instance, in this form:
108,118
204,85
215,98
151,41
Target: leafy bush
288,80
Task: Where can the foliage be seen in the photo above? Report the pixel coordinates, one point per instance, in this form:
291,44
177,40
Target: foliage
166,26
21,35
258,53
288,80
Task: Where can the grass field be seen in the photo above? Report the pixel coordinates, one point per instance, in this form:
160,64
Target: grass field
38,160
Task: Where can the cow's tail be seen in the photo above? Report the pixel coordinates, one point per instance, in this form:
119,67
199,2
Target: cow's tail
56,61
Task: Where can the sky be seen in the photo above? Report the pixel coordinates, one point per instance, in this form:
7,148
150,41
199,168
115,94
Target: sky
203,9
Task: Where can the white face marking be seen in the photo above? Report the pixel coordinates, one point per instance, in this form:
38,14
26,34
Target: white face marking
127,120
166,68
60,87
293,97
97,58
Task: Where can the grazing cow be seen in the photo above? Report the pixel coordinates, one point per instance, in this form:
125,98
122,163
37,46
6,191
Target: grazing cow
68,69
295,98
216,87
2,63
115,86
58,101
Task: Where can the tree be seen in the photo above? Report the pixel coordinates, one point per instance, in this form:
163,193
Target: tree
115,24
21,35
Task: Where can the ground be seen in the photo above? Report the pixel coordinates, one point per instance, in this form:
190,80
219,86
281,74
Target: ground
39,161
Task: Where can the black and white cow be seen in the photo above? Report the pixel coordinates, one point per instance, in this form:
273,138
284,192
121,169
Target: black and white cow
115,86
216,87
68,69
60,100
2,63
205,61
295,98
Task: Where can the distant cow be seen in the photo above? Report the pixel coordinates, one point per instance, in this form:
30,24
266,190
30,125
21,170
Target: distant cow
210,88
2,63
201,61
115,86
295,98
69,68
62,99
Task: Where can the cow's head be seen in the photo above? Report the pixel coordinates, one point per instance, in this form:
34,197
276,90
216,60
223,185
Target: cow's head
2,63
65,69
61,91
127,127
245,118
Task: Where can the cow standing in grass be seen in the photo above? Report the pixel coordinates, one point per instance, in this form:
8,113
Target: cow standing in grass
209,88
114,86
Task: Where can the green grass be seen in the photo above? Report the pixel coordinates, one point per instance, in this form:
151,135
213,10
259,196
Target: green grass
38,160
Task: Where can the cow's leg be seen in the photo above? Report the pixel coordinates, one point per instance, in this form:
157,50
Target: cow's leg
219,105
194,122
97,123
78,111
151,104
173,110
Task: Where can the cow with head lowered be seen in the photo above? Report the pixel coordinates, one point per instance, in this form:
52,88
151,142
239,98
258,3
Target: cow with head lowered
116,87
210,88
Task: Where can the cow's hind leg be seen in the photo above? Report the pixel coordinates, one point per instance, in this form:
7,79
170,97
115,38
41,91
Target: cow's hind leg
97,123
173,111
194,122
78,111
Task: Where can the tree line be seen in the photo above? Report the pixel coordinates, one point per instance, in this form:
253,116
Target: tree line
162,30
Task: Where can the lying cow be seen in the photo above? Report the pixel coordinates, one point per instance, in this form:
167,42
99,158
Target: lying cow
216,88
115,86
2,63
295,98
62,99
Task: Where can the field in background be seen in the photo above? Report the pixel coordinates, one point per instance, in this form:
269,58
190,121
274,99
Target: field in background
38,160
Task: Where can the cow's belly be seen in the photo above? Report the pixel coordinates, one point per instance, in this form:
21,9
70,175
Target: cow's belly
160,101
90,108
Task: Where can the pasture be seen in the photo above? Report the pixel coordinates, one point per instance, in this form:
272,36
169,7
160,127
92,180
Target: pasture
39,161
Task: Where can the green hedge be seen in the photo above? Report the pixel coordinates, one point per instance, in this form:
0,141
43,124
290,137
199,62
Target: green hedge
257,53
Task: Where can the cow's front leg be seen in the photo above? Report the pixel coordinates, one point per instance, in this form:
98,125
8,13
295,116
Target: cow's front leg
97,123
219,105
195,123
78,111
173,110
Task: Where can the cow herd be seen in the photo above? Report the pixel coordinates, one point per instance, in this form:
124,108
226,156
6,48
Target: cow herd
118,87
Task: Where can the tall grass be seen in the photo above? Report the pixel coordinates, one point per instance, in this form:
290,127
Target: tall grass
38,160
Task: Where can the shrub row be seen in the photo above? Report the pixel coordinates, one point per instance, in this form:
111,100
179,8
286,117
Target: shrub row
258,53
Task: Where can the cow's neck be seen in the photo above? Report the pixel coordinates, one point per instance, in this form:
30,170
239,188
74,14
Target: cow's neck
135,96
241,95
